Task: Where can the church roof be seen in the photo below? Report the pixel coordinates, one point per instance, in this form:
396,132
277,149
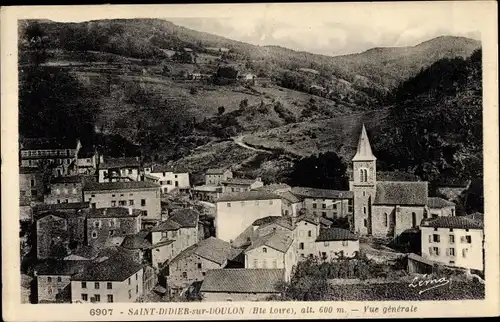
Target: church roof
401,193
364,151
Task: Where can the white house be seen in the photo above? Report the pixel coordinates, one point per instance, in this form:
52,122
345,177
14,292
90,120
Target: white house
306,232
169,179
439,207
235,212
454,241
214,177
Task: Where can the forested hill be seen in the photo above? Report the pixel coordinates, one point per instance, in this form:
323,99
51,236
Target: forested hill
434,129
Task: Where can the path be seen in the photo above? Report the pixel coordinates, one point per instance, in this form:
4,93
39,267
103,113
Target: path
239,140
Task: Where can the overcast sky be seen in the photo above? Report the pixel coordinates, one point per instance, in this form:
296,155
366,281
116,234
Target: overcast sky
330,29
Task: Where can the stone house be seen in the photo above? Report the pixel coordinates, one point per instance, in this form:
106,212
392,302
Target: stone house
236,185
333,243
169,179
331,204
192,264
119,169
31,184
214,177
439,207
307,229
65,190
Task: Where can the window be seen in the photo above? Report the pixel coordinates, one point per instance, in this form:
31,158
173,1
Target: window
364,210
136,276
315,213
131,202
113,195
452,239
59,279
323,206
264,249
435,250
184,274
323,213
203,273
365,222
136,289
345,243
468,239
85,297
97,298
84,285
92,196
122,202
361,176
366,174
413,219
49,279
301,245
435,238
113,203
386,218
228,205
453,212
129,281
129,294
270,202
451,252
110,298
109,286
334,206
264,263
275,264
309,233
464,252
176,183
199,265
32,182
255,263
314,206
323,255
326,244
452,262
96,285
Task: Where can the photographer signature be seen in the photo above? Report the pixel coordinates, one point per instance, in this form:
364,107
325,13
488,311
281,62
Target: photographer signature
425,283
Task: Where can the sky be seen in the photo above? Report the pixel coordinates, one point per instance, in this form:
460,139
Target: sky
329,29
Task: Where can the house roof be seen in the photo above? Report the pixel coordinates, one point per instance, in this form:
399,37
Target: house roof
216,171
364,150
157,168
86,153
242,280
401,193
186,217
396,176
167,225
239,181
206,188
274,187
325,221
112,212
60,267
420,259
309,218
278,220
333,234
278,240
100,186
47,144
248,195
30,170
290,197
137,241
212,249
61,206
437,202
86,252
306,192
60,214
118,267
68,179
120,163
458,222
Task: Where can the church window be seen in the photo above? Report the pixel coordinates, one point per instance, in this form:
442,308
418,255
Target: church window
361,176
366,175
413,219
364,210
365,222
385,219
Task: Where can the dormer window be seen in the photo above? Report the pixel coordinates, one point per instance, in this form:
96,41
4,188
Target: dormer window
264,250
363,175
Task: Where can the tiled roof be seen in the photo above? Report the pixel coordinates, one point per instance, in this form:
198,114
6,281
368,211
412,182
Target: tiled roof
137,241
167,225
86,153
239,181
401,193
364,150
309,218
29,170
158,168
86,252
120,163
306,192
436,202
47,144
290,197
217,171
100,186
186,218
458,222
248,195
116,268
278,240
69,179
325,221
420,259
59,214
242,280
279,220
476,216
112,212
60,267
206,188
62,206
333,234
274,187
396,176
212,249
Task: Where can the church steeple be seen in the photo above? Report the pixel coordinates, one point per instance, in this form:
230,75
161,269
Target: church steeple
364,151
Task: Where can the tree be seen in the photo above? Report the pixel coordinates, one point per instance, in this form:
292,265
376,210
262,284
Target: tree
221,110
324,171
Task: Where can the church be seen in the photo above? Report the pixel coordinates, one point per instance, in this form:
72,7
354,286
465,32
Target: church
388,208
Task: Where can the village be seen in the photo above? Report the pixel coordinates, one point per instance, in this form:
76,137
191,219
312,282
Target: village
101,229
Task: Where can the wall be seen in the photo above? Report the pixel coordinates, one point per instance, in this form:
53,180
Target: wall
131,197
100,229
333,208
270,258
123,172
50,230
291,259
161,254
64,193
215,179
189,265
403,217
364,194
48,291
301,234
170,181
234,297
474,250
349,247
291,209
32,190
443,212
120,290
232,220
